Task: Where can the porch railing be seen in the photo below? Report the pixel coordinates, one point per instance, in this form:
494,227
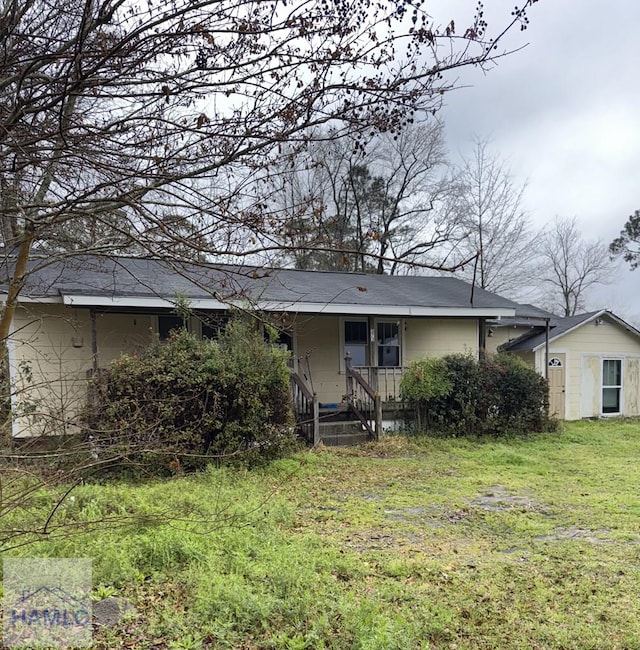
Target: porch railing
305,408
383,380
363,400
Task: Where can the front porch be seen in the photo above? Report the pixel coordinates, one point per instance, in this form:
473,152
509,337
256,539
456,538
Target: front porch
371,398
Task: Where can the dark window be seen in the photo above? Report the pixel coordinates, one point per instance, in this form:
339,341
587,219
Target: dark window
355,342
167,324
388,340
213,326
285,340
281,339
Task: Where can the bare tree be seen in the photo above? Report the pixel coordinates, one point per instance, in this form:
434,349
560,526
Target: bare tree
370,208
496,234
570,266
628,243
114,114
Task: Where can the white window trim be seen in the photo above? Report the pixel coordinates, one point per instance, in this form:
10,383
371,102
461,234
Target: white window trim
374,342
620,411
342,321
400,324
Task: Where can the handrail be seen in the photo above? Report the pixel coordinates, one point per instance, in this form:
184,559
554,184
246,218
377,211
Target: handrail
306,408
299,382
370,411
361,381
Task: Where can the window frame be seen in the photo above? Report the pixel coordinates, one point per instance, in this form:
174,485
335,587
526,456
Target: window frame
619,387
371,344
388,321
353,319
186,324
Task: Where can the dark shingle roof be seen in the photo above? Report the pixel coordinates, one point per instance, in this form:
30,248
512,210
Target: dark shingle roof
533,339
151,278
527,316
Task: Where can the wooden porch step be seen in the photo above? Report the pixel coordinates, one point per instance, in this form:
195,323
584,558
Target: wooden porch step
343,434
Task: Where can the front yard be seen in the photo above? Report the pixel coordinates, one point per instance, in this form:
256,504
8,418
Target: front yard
410,543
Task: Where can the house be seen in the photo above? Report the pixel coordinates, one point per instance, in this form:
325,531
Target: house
592,360
350,334
76,316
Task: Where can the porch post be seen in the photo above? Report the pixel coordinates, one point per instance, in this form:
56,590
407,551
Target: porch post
378,414
94,340
482,338
546,349
316,420
348,377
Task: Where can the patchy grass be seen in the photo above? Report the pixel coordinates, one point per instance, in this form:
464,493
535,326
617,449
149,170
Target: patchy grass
409,543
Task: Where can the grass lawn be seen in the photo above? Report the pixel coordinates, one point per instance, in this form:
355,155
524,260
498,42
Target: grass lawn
410,543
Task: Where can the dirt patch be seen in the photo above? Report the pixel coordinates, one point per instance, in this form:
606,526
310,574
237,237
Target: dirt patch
560,534
374,541
498,499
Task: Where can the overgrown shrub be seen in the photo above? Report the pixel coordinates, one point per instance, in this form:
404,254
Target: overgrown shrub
185,399
422,382
516,396
458,395
457,412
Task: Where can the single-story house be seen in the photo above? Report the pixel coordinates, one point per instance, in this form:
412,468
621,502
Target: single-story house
592,360
77,315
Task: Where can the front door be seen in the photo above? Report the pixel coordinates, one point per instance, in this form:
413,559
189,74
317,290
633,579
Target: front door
557,385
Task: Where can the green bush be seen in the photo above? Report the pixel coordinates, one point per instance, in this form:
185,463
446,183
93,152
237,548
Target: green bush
421,383
516,397
183,401
458,411
457,395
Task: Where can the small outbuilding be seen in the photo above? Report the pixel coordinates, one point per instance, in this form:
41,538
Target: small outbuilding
592,362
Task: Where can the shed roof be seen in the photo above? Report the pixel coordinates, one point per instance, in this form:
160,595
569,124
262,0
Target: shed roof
535,339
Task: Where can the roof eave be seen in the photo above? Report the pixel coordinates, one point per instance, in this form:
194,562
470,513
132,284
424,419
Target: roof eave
283,306
594,316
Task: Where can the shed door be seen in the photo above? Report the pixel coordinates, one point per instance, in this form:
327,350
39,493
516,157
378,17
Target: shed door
557,385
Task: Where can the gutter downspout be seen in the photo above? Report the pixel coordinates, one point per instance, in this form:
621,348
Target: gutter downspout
482,338
546,349
94,340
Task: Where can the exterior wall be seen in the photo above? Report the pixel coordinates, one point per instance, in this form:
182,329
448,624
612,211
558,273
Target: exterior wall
585,348
50,353
501,335
320,337
317,342
118,333
436,337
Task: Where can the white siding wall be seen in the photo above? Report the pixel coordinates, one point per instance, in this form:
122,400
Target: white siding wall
320,337
50,354
54,343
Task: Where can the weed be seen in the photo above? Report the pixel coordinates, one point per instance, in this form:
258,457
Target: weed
412,543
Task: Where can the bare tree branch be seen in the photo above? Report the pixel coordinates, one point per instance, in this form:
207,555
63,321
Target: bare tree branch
570,266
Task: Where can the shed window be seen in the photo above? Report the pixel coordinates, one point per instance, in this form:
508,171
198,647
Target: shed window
611,385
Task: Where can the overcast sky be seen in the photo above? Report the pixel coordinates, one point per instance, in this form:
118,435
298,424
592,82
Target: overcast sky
565,113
